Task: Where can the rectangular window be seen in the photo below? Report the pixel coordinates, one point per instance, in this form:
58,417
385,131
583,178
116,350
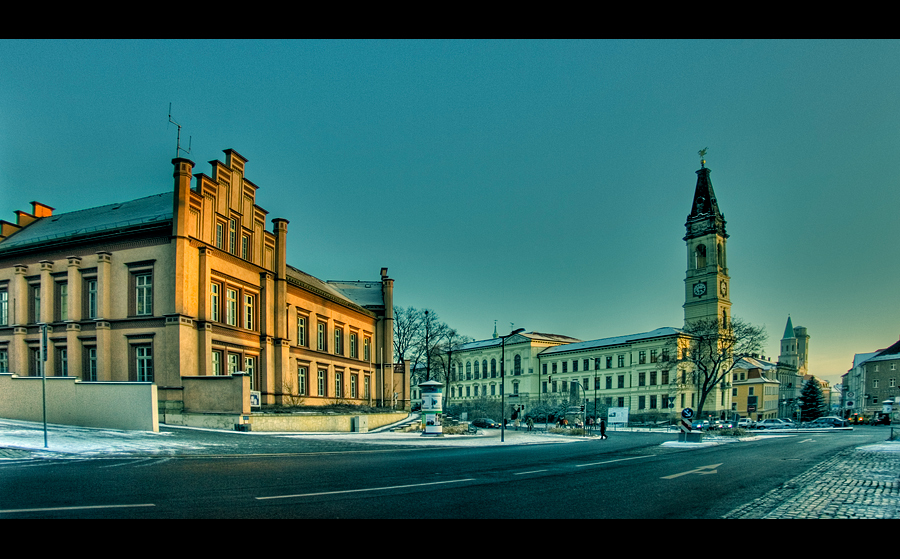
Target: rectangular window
301,330
609,361
353,387
608,382
621,361
62,362
220,234
214,302
338,341
90,287
642,402
665,377
233,360
232,236
231,312
320,341
248,312
143,285
366,393
144,358
4,361
621,381
652,378
339,384
245,247
250,369
62,301
366,351
642,357
575,365
653,356
35,303
321,382
353,353
4,308
301,381
217,363
642,379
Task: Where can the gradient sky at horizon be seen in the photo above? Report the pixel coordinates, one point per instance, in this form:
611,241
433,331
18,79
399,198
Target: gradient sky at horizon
539,184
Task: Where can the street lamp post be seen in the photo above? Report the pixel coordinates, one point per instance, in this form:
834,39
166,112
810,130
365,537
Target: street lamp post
503,382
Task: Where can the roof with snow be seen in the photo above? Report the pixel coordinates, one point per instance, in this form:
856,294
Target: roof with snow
92,222
755,363
519,338
614,341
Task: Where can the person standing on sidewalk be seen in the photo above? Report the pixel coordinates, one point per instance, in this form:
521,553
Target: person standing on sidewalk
602,428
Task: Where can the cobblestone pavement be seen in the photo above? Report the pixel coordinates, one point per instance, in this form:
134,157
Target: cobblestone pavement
855,483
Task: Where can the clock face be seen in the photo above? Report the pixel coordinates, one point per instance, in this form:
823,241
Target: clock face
699,289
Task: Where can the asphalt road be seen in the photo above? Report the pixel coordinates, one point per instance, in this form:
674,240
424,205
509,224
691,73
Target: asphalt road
630,475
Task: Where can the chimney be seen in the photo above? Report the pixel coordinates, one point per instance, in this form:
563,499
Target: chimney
183,175
41,210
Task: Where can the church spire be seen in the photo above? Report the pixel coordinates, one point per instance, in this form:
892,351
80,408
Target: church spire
705,216
788,329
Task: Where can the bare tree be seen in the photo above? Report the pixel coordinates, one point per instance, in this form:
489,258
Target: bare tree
407,323
711,349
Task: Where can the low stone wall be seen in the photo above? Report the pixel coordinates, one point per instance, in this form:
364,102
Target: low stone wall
112,405
284,422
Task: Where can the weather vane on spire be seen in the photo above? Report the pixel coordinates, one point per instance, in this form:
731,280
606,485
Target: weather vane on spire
702,153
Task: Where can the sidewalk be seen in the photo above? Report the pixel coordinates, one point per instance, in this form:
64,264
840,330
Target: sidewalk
862,482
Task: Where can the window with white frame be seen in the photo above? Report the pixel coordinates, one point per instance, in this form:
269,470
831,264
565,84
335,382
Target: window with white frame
231,306
301,380
248,311
320,381
144,363
214,302
143,294
301,330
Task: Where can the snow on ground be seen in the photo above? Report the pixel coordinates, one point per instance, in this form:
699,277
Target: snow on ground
91,442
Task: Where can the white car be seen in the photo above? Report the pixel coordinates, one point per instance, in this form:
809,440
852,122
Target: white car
746,423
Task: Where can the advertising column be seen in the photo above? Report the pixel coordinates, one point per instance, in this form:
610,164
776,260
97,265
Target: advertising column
432,406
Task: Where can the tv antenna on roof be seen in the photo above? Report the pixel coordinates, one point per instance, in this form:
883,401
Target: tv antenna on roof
178,147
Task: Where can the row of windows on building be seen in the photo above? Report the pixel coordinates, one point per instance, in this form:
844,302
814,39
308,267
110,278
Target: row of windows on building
140,302
342,382
337,339
474,371
140,365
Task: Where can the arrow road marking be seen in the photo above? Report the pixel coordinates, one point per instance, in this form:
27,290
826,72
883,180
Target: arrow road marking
702,470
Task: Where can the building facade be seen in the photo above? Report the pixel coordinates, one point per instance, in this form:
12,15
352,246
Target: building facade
638,371
756,389
190,283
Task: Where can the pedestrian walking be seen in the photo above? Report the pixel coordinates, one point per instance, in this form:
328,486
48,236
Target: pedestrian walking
530,423
602,428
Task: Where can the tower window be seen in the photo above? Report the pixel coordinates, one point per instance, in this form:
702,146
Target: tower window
700,255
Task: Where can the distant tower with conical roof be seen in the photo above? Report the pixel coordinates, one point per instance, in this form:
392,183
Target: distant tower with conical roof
795,348
707,293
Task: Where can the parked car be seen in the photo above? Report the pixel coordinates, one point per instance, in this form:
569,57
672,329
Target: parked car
700,425
486,423
746,423
830,421
771,424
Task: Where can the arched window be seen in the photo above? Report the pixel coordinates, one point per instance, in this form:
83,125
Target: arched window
517,365
477,374
700,256
493,368
468,370
484,368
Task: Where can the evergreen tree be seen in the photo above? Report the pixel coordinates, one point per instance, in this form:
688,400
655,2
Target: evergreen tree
812,401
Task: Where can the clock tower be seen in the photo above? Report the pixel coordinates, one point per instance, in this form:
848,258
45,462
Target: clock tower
707,286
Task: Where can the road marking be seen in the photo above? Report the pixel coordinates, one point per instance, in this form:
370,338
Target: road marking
367,489
616,460
806,441
531,472
702,470
49,509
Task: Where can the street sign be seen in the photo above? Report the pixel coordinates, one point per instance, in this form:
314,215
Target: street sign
687,413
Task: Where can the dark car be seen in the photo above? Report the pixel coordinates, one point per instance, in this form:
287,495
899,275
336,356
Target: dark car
486,423
829,421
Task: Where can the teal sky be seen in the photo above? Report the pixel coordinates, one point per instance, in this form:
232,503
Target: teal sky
540,183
